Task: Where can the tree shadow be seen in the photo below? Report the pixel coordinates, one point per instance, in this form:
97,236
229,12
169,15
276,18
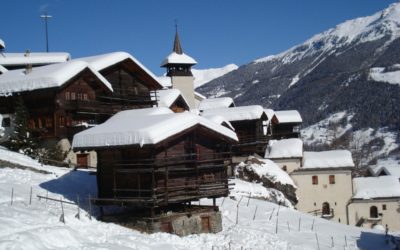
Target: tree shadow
373,241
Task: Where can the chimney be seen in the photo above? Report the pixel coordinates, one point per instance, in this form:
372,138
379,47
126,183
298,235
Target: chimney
28,69
27,53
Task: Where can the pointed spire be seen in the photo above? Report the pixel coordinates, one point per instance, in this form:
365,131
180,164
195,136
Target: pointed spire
177,44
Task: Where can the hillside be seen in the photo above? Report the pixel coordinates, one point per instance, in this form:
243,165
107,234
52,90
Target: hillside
352,68
36,224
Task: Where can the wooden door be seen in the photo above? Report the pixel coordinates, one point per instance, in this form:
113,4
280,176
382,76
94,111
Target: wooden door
166,227
82,160
205,224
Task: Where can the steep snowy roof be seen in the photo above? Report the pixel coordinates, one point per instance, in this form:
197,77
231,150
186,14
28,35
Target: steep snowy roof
219,120
53,75
388,166
128,128
286,148
2,44
13,59
166,97
390,170
327,159
212,103
288,116
270,113
237,113
165,81
376,187
101,62
175,58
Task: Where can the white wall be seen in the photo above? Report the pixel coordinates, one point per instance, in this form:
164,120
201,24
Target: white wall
311,197
390,216
290,163
186,85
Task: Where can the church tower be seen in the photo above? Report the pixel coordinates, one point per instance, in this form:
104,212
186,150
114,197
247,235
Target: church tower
178,66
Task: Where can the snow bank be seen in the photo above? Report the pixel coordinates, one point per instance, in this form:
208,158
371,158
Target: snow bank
376,187
213,103
286,148
288,116
267,168
237,113
379,75
175,58
327,159
128,128
10,59
50,76
3,70
202,76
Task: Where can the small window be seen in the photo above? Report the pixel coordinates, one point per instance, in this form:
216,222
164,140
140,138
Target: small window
80,97
315,180
49,122
284,168
67,96
62,121
32,124
384,207
6,122
331,179
39,122
85,97
73,96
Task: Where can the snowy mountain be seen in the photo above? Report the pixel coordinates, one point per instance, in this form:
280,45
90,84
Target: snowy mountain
202,76
352,68
27,223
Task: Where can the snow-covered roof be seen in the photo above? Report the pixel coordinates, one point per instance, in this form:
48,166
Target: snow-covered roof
33,58
165,81
53,75
252,112
101,62
219,120
199,96
2,44
166,97
270,113
288,116
286,148
175,58
327,159
212,103
129,128
376,187
385,167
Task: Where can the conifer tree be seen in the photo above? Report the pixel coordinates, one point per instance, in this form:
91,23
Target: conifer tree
21,139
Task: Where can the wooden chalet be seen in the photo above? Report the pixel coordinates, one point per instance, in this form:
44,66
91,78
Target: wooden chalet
250,124
156,158
285,124
133,84
61,99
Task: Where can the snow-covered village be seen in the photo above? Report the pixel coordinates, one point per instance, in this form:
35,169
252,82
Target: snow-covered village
296,150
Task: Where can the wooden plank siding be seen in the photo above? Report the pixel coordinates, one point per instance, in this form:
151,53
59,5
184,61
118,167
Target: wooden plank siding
187,167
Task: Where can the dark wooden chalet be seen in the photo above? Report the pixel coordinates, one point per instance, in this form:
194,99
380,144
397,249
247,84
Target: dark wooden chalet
159,159
133,85
61,99
250,124
285,124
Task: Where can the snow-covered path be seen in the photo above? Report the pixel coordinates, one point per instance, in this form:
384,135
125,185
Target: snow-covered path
37,225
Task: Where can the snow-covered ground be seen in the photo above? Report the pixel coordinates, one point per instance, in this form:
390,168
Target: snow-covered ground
260,224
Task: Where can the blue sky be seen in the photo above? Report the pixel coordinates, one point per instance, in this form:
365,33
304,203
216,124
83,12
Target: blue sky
214,32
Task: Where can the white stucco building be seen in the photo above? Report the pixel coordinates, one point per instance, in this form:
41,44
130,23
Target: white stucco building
286,153
324,184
